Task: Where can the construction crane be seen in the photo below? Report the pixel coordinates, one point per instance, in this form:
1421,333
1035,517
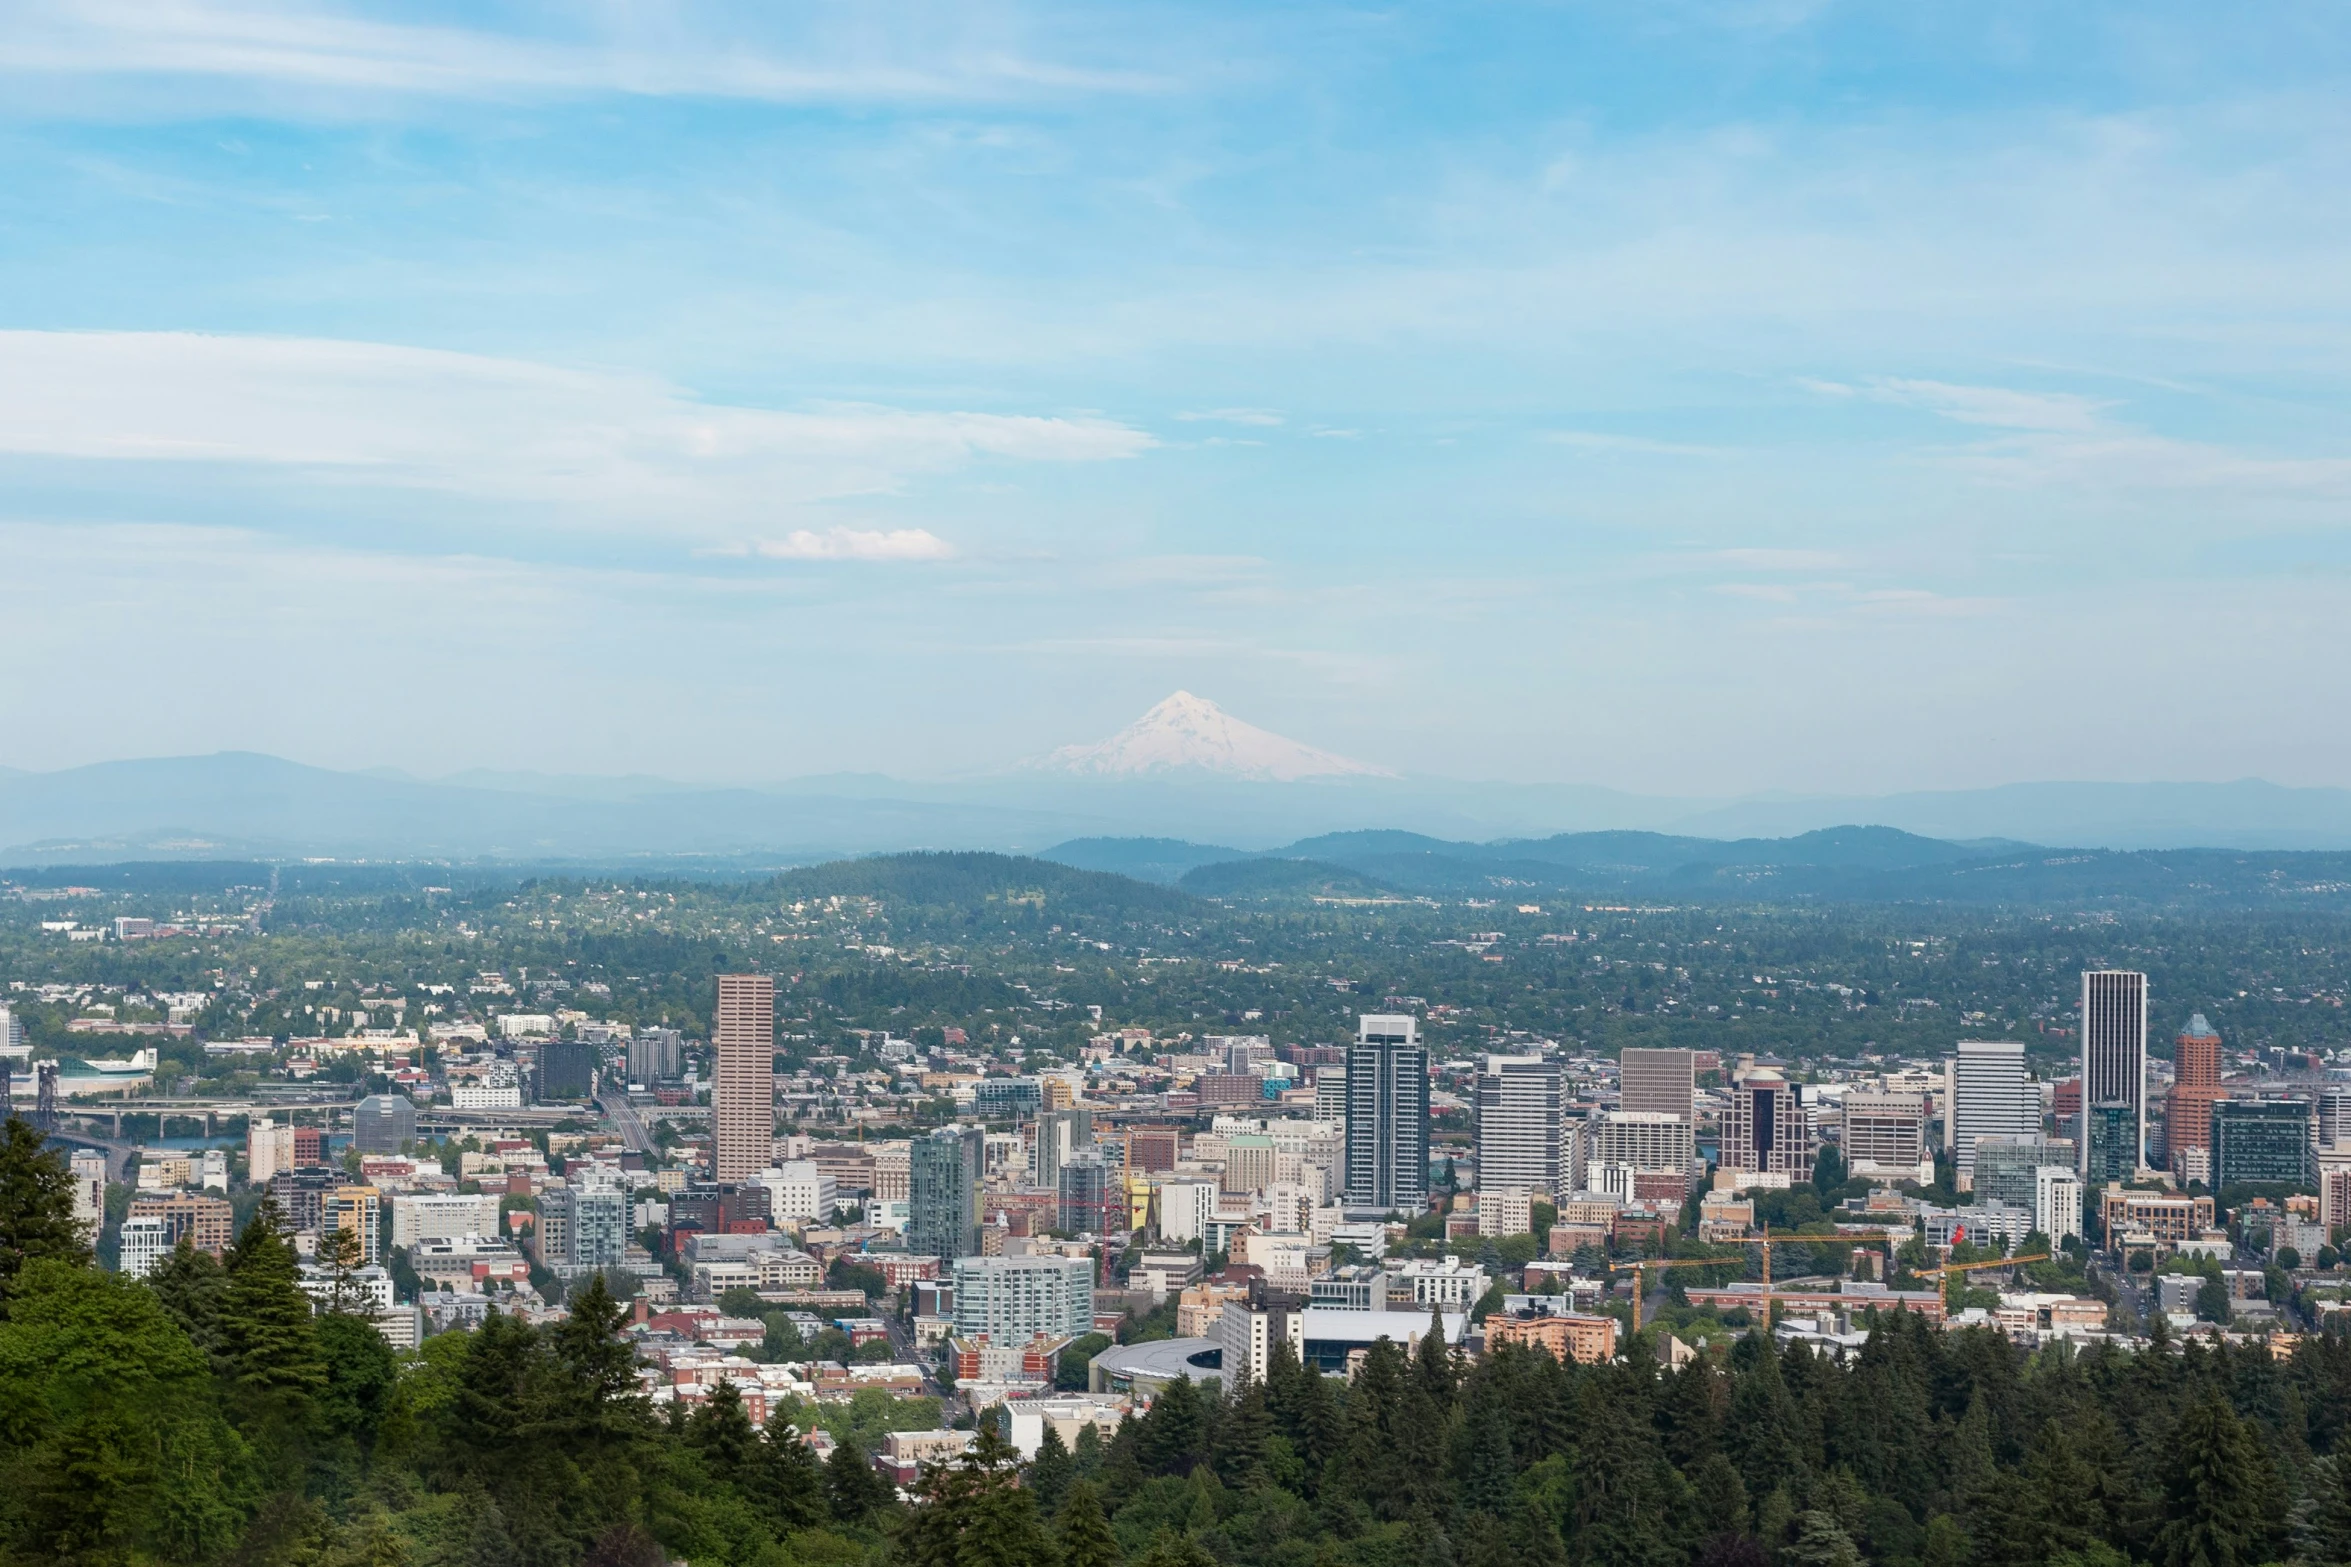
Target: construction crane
1641,1279
1947,1269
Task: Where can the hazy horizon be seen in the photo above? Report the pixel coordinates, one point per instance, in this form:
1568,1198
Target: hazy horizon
1698,401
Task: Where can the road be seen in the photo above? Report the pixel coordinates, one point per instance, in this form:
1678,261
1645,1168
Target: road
627,1122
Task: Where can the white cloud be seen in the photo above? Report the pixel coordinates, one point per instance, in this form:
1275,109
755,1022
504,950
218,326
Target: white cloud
1258,416
929,55
1996,405
1780,560
602,449
857,544
1593,440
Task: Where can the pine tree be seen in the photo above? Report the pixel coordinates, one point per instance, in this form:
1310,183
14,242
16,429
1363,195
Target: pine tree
720,1430
599,1366
1483,1465
2219,1493
1241,1436
1122,1467
786,1483
1086,1540
1051,1471
1086,1457
190,1284
1433,1368
268,1343
1170,1435
852,1488
484,1424
36,1205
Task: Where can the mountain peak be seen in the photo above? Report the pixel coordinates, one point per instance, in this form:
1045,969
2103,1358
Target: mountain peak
1188,733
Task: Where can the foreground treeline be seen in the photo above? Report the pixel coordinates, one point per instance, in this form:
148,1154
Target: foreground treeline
210,1417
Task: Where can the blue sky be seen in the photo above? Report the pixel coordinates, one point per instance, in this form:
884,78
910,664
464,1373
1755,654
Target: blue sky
1686,397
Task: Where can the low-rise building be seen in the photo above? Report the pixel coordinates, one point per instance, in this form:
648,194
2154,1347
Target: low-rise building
1563,1336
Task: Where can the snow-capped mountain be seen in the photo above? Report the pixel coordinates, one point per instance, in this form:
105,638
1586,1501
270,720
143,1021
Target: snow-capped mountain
1188,733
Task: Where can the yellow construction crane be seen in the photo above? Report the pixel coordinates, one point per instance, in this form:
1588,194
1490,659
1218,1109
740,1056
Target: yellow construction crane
1947,1269
1641,1278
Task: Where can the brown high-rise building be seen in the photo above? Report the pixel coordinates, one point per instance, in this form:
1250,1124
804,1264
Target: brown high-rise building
742,1096
2195,1086
1659,1082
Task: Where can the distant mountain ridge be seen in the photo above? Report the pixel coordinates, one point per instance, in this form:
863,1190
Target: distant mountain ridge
247,805
1847,864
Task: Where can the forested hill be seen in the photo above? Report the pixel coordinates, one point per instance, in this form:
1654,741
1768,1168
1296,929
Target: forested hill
1836,865
208,1418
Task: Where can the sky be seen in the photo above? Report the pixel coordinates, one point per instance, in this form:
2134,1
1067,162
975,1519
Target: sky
1693,398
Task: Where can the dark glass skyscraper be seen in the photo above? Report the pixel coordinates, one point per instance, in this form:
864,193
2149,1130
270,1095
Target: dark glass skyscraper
942,1193
2262,1140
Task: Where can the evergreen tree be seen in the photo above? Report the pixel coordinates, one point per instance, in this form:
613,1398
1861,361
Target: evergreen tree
1619,1507
2219,1493
361,1374
1483,1466
1433,1368
852,1487
1087,1454
1169,1441
599,1365
1122,1466
190,1284
720,1430
268,1342
36,1205
1052,1471
786,1482
1239,1459
1086,1540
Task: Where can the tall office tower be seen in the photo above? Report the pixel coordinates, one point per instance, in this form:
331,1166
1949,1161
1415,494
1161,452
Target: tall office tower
1986,1093
2267,1140
1519,1121
2334,1117
567,1070
2114,1069
1091,1199
1061,1136
1387,1116
942,1192
1884,1135
656,1055
1659,1082
1330,1095
2195,1088
742,1095
1765,1130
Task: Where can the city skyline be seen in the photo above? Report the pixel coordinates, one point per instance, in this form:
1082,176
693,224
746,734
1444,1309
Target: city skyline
1455,392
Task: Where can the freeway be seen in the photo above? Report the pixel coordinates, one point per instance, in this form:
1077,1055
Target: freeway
627,1122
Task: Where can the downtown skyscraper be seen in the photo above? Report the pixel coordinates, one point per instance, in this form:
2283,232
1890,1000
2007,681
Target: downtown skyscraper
742,1096
1387,1116
2114,1075
1519,1125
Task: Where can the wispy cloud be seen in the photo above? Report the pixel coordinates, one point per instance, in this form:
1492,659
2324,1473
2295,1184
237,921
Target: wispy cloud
595,448
1779,560
897,544
1600,441
1256,416
2000,406
935,55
